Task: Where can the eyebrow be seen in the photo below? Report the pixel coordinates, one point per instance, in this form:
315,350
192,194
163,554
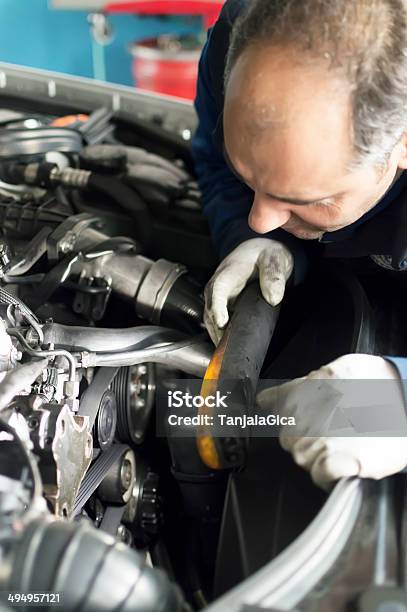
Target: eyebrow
272,195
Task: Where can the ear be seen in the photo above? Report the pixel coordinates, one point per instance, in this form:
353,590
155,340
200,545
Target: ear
401,152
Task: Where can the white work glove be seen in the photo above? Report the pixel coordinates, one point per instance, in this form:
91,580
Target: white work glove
352,424
268,260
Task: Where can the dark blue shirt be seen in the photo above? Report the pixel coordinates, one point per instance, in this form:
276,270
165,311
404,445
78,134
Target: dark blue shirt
226,201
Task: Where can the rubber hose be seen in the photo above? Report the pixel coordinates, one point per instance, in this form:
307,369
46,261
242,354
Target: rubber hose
91,571
184,307
128,199
7,298
235,370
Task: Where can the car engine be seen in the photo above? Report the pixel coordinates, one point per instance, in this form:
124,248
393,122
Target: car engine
104,255
91,327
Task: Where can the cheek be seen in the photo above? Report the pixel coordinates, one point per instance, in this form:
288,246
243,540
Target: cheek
356,207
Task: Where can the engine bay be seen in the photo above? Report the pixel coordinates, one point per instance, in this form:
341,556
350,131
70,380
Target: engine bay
104,255
91,325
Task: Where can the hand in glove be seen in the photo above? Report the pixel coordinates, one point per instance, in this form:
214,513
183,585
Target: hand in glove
269,261
351,424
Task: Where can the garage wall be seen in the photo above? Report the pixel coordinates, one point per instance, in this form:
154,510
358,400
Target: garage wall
34,35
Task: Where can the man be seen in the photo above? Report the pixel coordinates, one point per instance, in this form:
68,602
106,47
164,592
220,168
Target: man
302,137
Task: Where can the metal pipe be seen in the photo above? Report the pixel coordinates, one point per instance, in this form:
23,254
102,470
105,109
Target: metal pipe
110,340
159,289
47,353
123,271
34,323
191,356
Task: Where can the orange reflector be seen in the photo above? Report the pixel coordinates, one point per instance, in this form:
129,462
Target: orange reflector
207,452
205,442
69,120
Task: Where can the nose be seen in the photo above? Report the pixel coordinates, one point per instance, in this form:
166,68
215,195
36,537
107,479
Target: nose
267,215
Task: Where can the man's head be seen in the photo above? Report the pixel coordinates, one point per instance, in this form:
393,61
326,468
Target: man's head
316,109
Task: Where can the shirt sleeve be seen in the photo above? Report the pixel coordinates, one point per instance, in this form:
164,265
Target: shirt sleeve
401,364
226,201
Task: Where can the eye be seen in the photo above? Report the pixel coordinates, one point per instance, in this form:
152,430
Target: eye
322,204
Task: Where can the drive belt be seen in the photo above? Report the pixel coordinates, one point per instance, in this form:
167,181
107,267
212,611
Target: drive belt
96,474
112,518
90,402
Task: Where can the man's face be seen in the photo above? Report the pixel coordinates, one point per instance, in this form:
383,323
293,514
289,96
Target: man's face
288,136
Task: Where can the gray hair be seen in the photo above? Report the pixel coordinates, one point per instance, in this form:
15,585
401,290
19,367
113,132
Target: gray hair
366,39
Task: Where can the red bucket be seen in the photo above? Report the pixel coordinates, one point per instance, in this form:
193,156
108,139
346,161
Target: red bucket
166,65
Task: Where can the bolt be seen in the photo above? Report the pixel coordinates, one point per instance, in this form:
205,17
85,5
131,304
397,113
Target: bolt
123,534
88,448
33,422
71,389
67,243
126,474
134,388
